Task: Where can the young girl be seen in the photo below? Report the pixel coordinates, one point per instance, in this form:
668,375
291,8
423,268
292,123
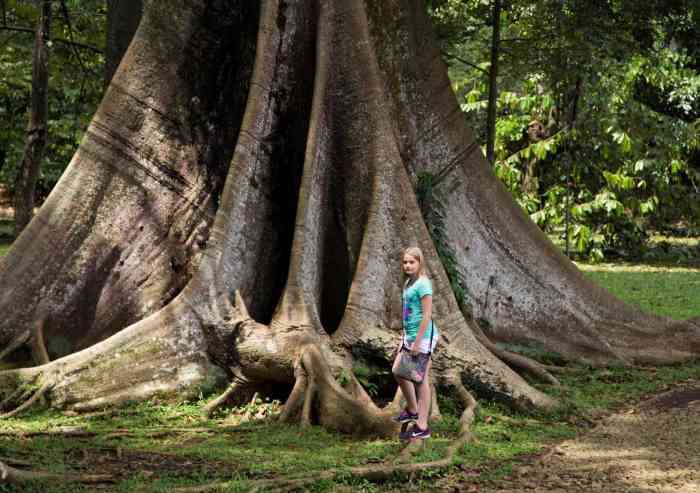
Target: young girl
419,335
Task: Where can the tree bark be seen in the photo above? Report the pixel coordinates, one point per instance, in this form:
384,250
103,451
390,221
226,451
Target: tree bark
118,236
37,131
319,129
123,17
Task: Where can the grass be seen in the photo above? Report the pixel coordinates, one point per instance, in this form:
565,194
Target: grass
664,290
263,449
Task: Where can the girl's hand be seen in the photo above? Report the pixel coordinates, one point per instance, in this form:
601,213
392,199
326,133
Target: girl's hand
415,348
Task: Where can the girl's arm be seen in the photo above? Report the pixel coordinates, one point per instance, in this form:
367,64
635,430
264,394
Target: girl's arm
426,303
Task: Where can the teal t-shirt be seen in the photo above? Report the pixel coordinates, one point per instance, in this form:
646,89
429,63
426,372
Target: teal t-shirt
412,309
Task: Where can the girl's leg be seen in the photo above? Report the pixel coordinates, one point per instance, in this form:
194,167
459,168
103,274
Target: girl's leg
407,389
423,390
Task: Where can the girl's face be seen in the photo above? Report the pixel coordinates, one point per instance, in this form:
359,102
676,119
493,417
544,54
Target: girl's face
410,265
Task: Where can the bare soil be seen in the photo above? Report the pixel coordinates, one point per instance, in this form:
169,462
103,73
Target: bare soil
653,446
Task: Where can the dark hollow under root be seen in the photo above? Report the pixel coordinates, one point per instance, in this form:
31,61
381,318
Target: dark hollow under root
31,401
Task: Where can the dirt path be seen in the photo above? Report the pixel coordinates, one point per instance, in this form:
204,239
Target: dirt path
653,447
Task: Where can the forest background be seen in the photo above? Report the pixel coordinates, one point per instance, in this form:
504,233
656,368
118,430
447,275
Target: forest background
588,110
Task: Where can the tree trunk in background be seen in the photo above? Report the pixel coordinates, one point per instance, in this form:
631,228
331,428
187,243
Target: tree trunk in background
493,83
123,17
37,131
159,277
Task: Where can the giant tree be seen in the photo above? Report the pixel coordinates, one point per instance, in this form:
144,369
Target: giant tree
237,208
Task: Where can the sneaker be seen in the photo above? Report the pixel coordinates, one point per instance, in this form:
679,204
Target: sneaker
406,417
418,434
405,435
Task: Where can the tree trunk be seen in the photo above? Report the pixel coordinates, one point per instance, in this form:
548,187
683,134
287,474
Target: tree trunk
37,130
116,239
493,83
123,17
289,274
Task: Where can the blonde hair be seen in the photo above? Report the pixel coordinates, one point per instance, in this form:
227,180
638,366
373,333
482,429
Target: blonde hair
417,254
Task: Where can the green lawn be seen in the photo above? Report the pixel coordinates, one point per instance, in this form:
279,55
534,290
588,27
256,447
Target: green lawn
239,451
236,447
665,290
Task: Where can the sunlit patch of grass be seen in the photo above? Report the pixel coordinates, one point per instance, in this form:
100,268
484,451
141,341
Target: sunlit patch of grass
670,291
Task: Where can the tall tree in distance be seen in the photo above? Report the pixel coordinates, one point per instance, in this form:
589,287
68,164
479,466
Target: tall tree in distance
37,129
493,82
238,207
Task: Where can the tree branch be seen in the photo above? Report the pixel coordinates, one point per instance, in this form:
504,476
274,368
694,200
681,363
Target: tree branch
232,389
16,476
66,16
465,62
508,40
57,40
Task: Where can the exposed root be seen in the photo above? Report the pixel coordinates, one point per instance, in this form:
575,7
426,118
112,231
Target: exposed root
412,448
318,397
77,432
434,412
64,431
236,385
467,418
378,472
41,355
296,398
37,395
16,343
159,432
17,476
20,394
308,403
561,370
518,361
395,404
14,462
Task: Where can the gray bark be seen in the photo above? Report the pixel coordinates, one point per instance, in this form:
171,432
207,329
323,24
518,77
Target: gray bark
115,240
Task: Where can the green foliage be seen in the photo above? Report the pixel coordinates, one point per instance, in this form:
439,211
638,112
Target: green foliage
75,84
365,376
597,113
